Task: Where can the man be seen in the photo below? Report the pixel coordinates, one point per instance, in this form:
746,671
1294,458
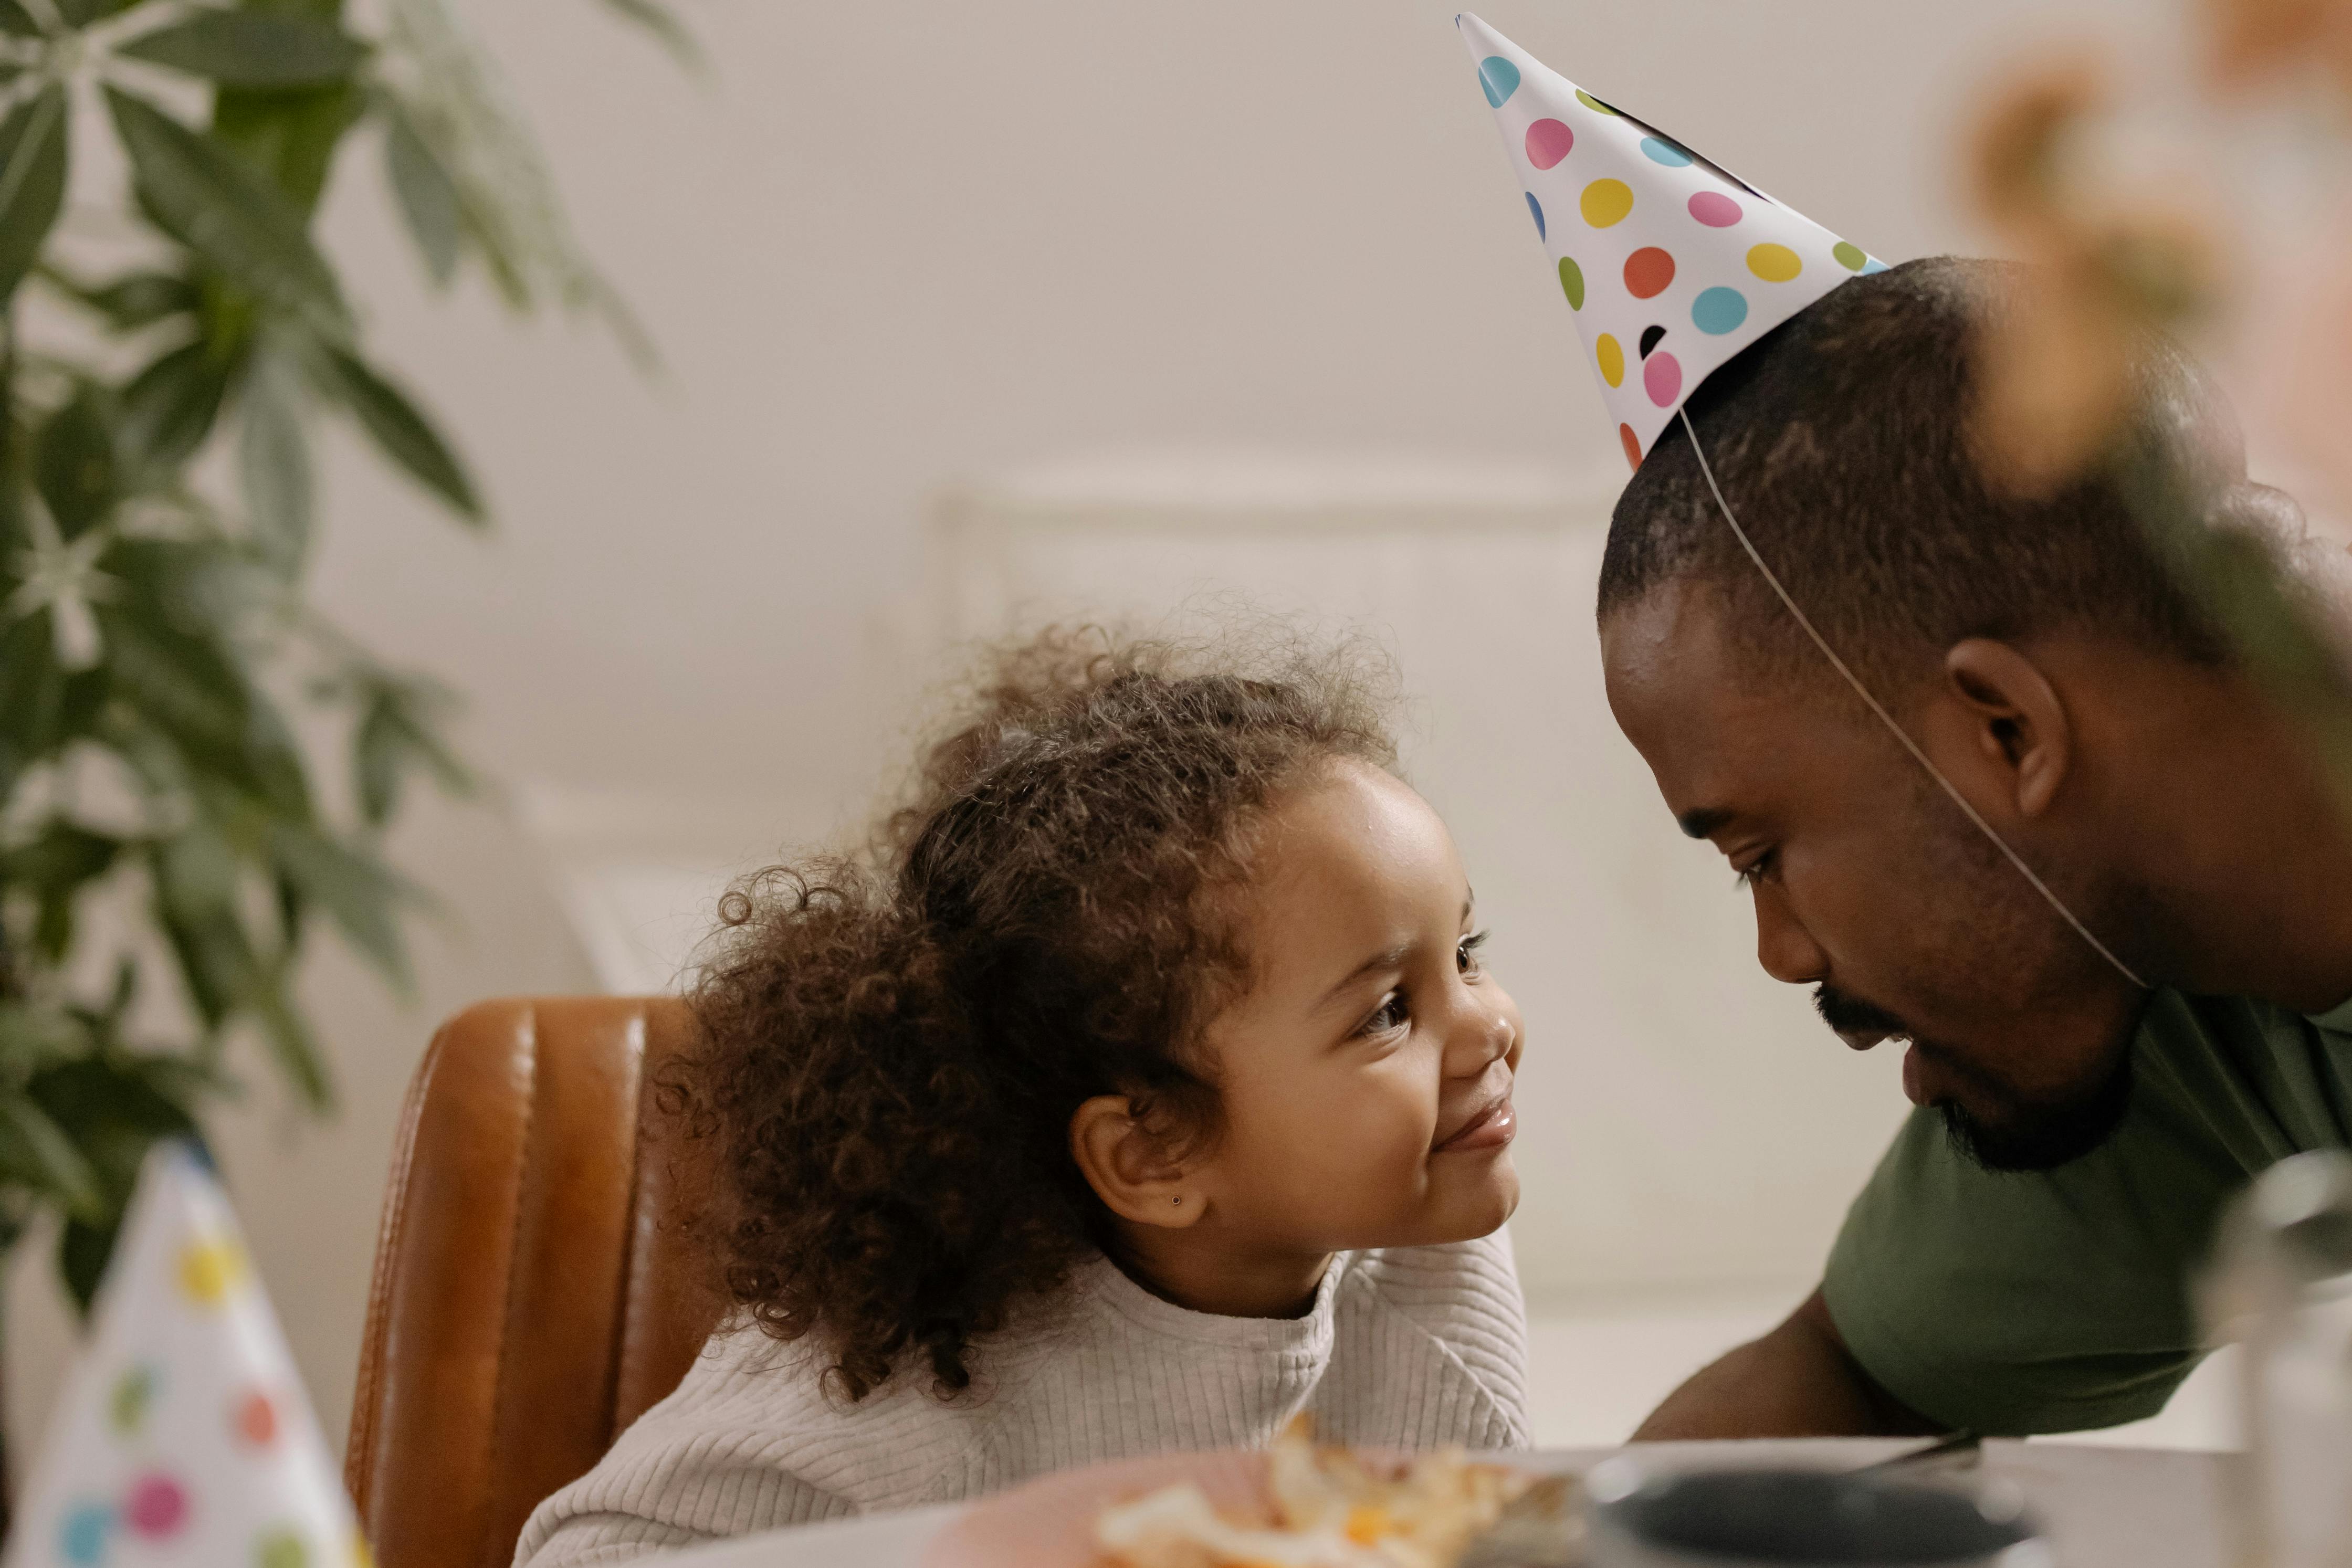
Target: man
2076,863
2089,1096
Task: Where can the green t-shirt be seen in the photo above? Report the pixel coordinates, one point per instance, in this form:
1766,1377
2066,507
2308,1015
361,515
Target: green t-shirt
2060,1301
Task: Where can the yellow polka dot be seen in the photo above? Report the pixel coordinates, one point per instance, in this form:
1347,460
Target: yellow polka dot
1610,356
362,1555
1774,263
208,1270
1606,202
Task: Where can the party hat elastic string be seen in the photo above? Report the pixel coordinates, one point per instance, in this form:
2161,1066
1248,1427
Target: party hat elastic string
1888,719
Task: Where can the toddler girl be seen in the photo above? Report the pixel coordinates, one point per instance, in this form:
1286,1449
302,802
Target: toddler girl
1142,1090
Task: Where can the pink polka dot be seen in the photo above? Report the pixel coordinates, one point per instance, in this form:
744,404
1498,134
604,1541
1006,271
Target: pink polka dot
1548,143
156,1506
1715,209
1663,378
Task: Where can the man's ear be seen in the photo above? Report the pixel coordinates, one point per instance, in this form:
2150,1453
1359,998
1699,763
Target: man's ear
2017,729
1131,1164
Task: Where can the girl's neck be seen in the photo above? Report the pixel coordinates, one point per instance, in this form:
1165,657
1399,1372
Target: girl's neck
1197,1273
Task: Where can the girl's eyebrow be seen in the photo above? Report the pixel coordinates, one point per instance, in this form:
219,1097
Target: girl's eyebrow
1389,958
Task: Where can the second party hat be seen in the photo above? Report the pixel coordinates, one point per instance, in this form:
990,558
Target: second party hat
1671,263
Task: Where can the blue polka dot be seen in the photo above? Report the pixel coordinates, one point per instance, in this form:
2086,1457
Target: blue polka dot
1499,76
81,1538
1536,207
1875,265
1718,310
1661,150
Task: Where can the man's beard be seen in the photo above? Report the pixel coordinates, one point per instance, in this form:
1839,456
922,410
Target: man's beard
2025,1135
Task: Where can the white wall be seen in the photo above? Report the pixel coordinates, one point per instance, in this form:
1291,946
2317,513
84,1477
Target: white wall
898,243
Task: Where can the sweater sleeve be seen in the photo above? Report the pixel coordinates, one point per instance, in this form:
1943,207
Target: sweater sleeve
711,1460
1433,1349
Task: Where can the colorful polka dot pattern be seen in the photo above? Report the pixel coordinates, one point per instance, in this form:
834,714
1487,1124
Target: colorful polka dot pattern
1670,265
187,1442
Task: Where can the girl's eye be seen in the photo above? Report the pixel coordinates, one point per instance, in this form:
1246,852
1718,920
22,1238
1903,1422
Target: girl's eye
1391,1014
1756,870
1465,954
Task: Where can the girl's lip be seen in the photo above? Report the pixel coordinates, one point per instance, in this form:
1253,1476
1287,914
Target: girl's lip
1491,1128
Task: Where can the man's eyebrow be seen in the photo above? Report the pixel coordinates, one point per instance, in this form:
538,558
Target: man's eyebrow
1706,821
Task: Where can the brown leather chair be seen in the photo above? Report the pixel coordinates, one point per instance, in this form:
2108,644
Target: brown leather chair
534,1288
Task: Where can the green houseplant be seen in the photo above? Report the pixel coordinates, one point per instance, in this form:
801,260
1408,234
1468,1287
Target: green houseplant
168,844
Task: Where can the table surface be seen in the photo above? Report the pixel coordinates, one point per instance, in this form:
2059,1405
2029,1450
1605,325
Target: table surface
2103,1507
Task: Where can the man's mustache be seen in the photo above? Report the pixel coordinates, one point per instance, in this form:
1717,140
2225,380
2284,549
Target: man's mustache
1851,1015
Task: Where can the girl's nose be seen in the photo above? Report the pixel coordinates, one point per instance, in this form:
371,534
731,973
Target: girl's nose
1485,1036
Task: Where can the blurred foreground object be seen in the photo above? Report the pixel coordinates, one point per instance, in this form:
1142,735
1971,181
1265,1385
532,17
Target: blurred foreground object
2281,1286
2209,200
184,1436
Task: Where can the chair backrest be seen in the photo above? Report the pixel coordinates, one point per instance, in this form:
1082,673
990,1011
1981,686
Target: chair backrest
534,1288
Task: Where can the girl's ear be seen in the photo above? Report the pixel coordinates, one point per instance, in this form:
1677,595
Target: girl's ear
1128,1164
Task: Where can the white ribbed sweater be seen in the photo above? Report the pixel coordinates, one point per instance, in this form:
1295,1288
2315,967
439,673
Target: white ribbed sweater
1412,1347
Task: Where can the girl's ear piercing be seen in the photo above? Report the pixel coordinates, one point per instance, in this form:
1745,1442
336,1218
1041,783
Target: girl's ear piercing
1176,1199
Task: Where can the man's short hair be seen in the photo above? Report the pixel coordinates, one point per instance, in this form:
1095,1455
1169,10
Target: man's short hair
1841,440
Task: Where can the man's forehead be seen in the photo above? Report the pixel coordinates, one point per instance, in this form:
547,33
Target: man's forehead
1713,730
1670,656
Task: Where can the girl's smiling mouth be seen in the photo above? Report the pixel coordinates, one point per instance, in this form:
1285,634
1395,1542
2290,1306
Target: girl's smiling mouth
1491,1126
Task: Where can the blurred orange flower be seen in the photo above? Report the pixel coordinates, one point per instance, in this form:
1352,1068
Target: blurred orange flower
2057,369
2253,38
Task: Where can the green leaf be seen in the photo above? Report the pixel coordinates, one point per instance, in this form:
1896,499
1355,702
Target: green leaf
32,180
32,693
355,889
36,1150
663,24
395,734
170,407
274,462
74,465
83,1252
251,49
115,1107
195,885
290,135
33,1039
288,1034
82,13
17,22
190,690
54,865
138,299
402,432
428,198
203,195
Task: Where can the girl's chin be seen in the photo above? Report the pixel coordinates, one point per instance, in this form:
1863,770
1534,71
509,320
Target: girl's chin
1482,1208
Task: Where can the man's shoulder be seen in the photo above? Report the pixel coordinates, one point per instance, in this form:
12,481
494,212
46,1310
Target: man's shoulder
2259,1079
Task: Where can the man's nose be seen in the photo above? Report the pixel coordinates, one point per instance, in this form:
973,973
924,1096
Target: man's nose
1783,946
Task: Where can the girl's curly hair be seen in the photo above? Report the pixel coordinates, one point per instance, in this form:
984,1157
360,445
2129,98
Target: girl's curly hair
893,1043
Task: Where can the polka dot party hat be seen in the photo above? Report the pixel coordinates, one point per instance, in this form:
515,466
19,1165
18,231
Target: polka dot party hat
183,1436
1671,264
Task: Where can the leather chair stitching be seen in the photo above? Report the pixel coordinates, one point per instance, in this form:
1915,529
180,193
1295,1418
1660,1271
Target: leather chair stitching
359,1464
524,1165
626,1339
